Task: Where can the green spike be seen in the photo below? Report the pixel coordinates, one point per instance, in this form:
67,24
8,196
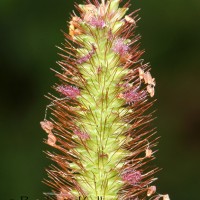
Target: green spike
100,121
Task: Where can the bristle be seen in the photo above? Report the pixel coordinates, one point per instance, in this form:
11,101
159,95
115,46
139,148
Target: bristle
99,120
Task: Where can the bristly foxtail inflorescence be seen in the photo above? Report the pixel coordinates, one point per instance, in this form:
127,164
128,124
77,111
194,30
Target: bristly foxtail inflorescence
100,124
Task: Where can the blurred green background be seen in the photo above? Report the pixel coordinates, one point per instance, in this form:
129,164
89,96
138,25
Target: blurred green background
29,31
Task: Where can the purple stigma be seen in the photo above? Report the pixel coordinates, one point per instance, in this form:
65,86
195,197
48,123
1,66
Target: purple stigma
97,22
132,176
69,91
84,59
87,57
119,47
133,96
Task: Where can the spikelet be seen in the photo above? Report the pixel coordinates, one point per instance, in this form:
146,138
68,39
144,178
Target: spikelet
100,118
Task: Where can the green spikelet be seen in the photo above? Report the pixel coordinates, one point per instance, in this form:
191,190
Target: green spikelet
99,125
